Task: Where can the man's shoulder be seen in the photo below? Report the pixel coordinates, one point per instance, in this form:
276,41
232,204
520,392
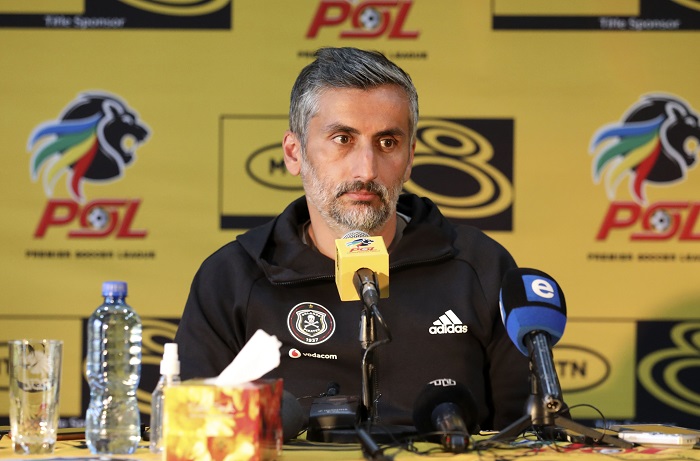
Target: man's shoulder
471,237
228,254
484,253
469,232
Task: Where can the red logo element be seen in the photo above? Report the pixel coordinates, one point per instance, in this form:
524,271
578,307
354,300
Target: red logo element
363,250
98,218
294,353
660,221
368,19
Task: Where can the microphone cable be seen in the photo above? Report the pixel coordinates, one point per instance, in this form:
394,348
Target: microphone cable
370,449
375,344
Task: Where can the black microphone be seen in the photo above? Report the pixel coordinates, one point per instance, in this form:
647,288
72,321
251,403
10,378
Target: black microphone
367,286
448,407
533,311
333,389
292,416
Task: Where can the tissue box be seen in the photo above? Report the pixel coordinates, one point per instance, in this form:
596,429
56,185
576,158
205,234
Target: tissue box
203,421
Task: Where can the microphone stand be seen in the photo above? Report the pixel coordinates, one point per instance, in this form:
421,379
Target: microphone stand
368,288
540,415
368,415
368,341
367,338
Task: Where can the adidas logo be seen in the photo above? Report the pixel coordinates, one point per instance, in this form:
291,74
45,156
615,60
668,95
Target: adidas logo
448,323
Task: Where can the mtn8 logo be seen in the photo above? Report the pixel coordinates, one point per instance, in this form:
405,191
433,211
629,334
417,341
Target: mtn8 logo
469,184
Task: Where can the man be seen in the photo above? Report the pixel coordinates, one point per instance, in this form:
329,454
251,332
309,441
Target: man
352,138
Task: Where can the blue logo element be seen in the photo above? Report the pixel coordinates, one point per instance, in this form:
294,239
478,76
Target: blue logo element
360,242
543,290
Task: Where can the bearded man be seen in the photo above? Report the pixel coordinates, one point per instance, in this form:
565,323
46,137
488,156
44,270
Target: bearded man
352,138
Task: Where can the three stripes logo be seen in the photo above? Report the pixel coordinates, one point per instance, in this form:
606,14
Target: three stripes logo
448,323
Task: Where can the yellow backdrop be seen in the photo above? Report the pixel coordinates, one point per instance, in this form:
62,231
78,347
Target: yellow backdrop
539,125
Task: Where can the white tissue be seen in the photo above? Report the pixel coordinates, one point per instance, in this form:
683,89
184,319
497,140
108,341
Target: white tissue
259,355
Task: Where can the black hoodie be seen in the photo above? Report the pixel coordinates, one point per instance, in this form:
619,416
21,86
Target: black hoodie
442,312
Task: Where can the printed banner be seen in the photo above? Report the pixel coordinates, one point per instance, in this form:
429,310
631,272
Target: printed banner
139,136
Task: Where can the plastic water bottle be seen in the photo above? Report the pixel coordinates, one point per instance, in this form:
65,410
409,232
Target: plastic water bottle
169,376
112,422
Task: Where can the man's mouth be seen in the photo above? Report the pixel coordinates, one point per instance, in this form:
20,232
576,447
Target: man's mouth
361,195
360,192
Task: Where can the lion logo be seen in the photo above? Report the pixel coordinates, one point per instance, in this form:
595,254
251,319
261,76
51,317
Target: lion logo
655,143
94,140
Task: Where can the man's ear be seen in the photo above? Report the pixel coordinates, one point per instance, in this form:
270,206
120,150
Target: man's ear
409,166
292,152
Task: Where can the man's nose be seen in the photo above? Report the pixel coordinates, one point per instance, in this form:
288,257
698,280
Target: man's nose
365,167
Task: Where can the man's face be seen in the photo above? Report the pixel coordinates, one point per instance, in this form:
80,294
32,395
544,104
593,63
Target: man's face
358,155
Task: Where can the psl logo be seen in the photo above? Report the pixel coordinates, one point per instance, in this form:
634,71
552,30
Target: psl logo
656,144
94,140
368,19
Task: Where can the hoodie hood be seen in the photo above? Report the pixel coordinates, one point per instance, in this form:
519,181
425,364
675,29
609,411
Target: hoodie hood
286,259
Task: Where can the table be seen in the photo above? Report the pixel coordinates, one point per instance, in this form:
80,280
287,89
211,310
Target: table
301,450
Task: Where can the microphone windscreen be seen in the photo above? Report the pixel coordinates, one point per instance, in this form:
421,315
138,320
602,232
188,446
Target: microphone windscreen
355,234
292,416
360,252
440,391
531,301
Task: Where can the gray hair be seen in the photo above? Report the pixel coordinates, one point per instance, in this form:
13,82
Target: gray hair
345,68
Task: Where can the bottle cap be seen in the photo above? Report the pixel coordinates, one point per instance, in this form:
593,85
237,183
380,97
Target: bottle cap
113,288
170,364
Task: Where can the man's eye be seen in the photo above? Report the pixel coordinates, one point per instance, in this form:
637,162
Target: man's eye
387,143
342,139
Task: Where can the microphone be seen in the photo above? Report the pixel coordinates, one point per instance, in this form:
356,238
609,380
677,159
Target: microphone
533,311
333,389
361,268
447,406
292,416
